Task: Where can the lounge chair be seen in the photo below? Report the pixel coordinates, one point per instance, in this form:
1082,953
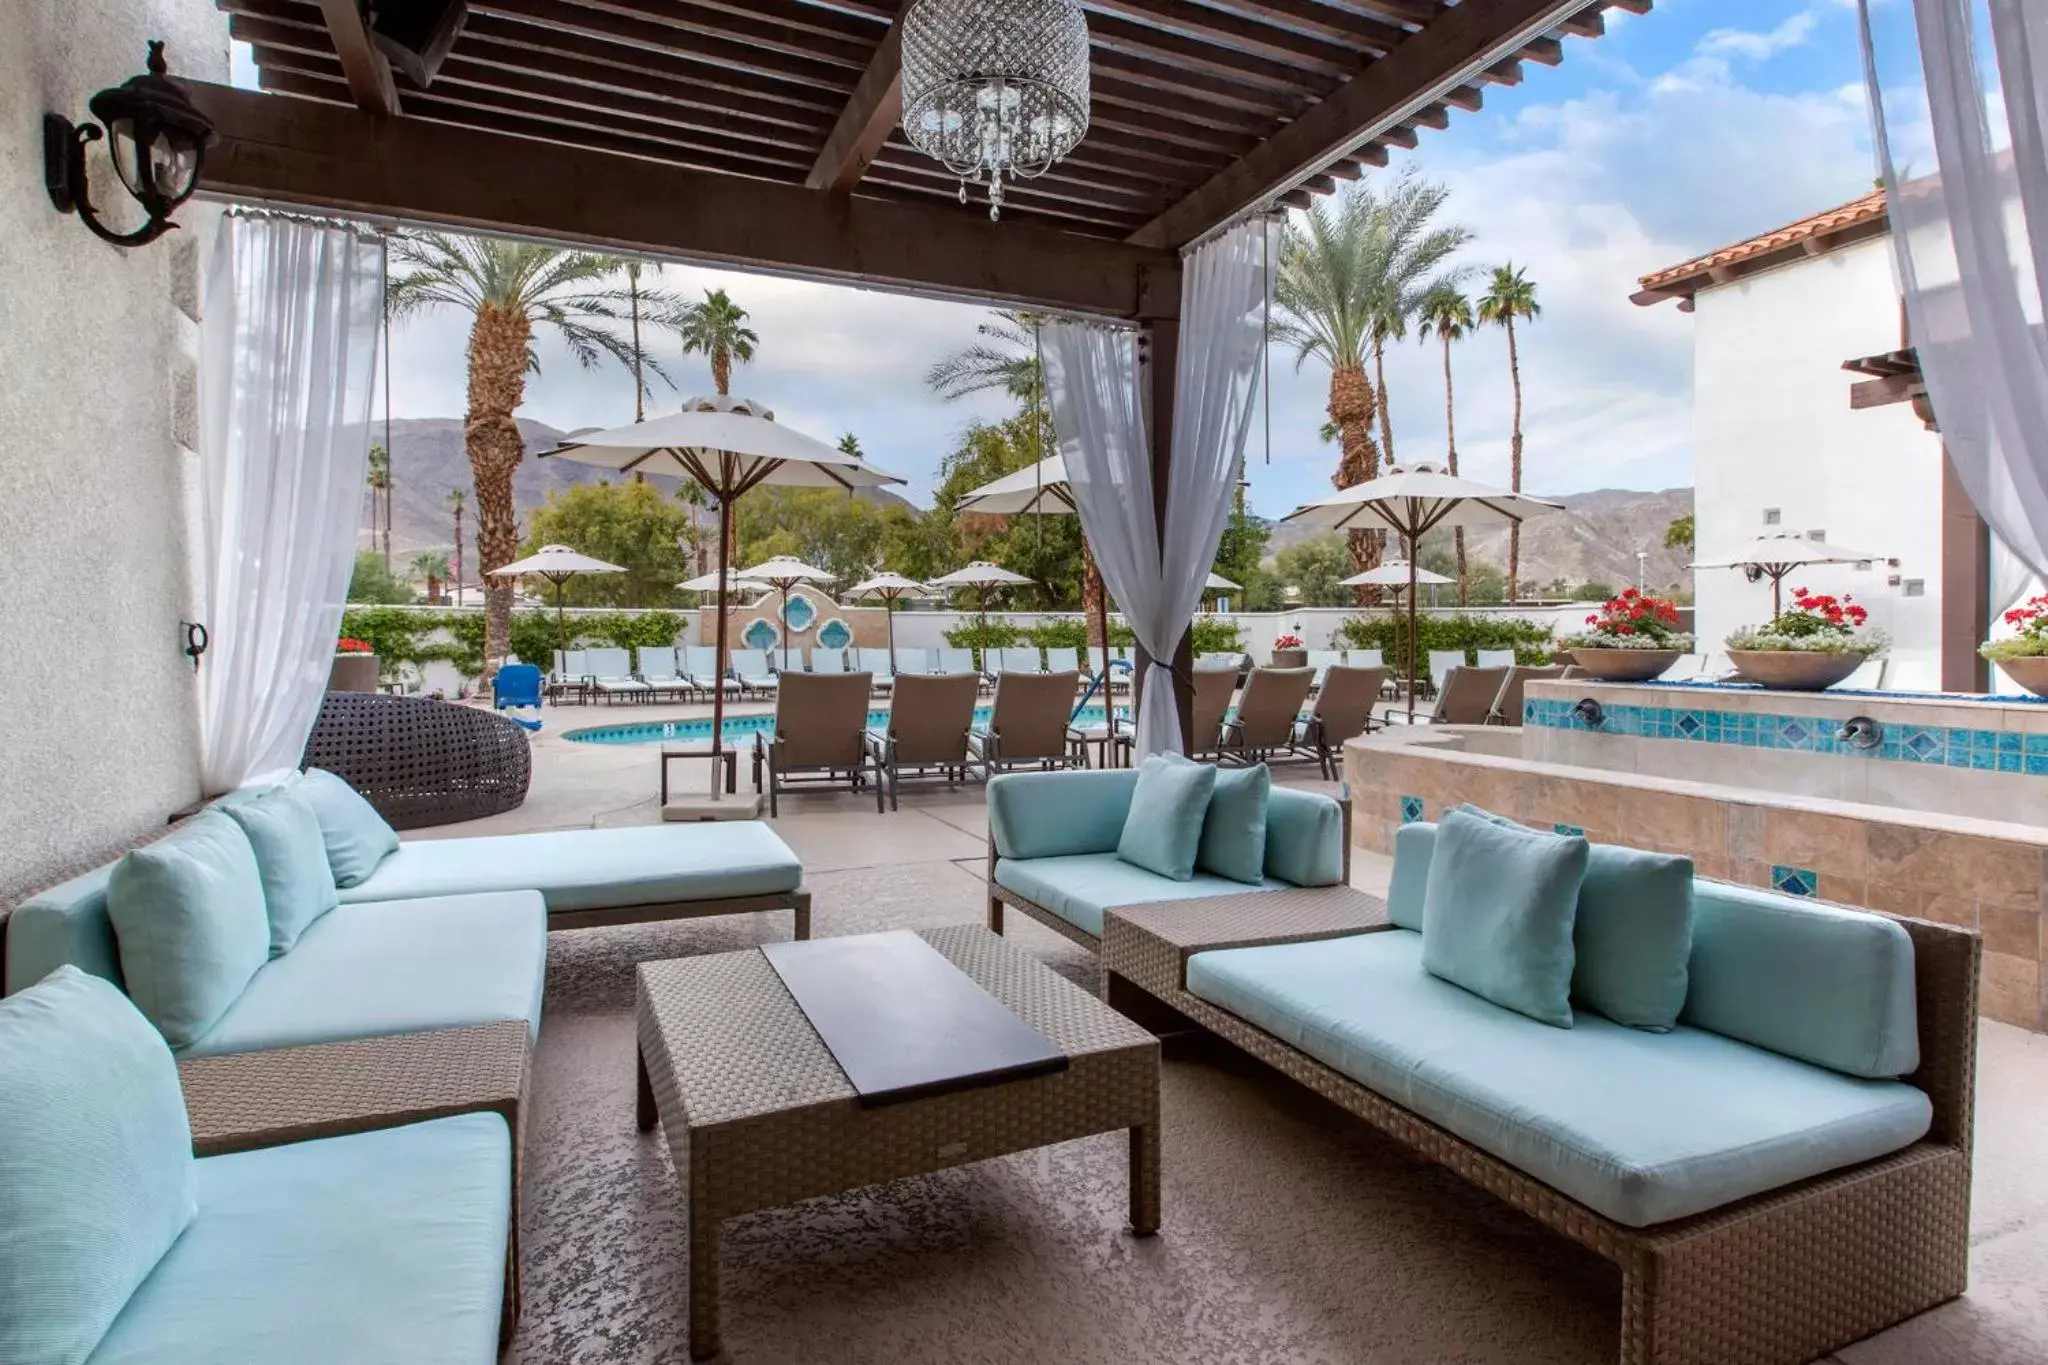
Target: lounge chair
1441,662
1496,658
1023,659
1507,708
820,739
828,661
1029,726
909,660
1322,661
700,667
1214,686
1342,710
1232,659
571,676
516,685
1266,714
611,674
875,663
750,666
950,660
664,672
786,660
1365,658
1063,660
1467,696
929,729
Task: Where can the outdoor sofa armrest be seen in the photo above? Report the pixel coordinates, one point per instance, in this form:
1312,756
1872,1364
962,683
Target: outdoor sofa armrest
1045,815
1306,838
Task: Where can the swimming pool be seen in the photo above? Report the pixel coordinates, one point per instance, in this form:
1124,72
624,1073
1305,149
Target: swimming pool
738,729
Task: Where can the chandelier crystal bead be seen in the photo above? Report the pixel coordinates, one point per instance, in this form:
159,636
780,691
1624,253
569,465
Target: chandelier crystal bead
995,89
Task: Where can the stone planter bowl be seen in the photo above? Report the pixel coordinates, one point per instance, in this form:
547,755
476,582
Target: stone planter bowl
1792,670
2030,673
353,673
1624,665
1290,658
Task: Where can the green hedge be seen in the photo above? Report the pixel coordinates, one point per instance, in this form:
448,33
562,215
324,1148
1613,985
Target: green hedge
1213,634
1532,641
402,637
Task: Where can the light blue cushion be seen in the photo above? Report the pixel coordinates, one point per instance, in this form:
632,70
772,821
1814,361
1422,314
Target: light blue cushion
1832,986
1163,831
368,970
1633,936
291,853
1497,914
379,1246
1413,846
594,869
1043,815
66,924
1233,840
1304,838
188,915
1078,887
96,1164
1642,1127
357,837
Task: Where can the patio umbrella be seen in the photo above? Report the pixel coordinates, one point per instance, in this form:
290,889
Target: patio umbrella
709,583
889,587
783,573
1412,502
557,564
1042,490
1773,557
728,445
981,576
1216,583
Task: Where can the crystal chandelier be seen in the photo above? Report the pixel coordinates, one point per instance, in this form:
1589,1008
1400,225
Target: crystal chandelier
995,88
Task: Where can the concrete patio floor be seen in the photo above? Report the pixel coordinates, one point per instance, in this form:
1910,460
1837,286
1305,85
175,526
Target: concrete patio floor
1292,1232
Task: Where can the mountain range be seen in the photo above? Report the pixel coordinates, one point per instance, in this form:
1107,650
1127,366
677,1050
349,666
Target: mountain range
1593,538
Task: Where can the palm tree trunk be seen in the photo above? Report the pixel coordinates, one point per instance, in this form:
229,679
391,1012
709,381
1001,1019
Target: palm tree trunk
1451,464
1379,381
721,370
1351,408
458,554
1091,596
1515,464
497,385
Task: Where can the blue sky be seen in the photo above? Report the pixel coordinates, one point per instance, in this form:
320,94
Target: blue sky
1701,123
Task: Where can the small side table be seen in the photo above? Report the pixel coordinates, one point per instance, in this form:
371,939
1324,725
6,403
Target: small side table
730,756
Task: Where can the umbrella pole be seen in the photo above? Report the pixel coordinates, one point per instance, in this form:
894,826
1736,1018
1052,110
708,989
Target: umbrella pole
1414,645
1108,686
1777,594
561,630
718,683
889,605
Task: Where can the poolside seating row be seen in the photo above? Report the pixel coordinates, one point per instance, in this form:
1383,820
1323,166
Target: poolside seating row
691,671
285,923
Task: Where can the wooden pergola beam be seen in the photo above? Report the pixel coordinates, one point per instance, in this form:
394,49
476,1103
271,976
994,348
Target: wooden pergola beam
870,116
303,154
1458,45
369,75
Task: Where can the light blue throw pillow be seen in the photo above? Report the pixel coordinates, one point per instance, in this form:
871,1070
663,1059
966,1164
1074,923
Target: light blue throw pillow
357,837
189,919
1497,914
1163,832
96,1172
291,853
1633,936
1234,829
1414,846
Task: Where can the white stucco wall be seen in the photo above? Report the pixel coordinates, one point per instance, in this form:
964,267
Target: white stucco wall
98,723
1772,427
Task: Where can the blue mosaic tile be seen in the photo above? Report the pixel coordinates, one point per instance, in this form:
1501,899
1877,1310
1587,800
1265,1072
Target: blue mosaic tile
1795,881
1924,746
2009,762
1569,830
2008,742
2035,765
2034,746
1689,725
1411,809
1794,733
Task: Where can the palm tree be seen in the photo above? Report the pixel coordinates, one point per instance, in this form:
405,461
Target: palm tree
1447,315
850,444
1351,273
1006,359
1510,294
432,566
379,481
717,329
456,497
508,289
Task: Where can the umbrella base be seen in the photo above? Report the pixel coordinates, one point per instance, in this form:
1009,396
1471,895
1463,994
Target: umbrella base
713,806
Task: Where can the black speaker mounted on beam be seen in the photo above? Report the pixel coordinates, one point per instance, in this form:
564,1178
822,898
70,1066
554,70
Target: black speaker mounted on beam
415,35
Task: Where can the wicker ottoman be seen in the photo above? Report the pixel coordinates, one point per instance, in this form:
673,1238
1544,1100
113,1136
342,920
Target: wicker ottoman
758,1114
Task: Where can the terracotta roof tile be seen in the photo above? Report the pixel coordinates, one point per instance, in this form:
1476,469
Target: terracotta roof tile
1856,213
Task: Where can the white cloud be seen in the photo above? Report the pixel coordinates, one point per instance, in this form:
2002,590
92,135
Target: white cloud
1760,46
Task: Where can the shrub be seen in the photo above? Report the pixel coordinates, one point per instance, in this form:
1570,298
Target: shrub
1532,641
1062,632
404,637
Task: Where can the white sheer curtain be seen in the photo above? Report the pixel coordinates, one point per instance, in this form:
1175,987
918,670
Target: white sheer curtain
287,363
1970,236
1099,414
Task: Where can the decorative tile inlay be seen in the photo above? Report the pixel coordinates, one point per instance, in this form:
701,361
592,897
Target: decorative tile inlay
835,634
1795,734
1795,881
761,634
1690,725
1411,809
799,612
1569,829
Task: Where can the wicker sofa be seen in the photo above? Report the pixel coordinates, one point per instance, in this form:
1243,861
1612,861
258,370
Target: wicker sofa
1785,1172
1053,839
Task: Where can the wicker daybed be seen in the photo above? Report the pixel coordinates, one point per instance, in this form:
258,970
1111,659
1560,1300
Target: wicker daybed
421,762
1784,1276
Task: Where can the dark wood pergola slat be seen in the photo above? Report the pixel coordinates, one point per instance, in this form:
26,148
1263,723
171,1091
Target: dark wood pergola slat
1203,108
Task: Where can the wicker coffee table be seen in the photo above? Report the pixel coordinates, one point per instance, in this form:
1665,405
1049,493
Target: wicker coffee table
759,1115
1148,946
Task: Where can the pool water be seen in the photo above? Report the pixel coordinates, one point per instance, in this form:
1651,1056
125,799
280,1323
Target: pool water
739,728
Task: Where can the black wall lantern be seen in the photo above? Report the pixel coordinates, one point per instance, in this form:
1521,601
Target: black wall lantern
157,140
